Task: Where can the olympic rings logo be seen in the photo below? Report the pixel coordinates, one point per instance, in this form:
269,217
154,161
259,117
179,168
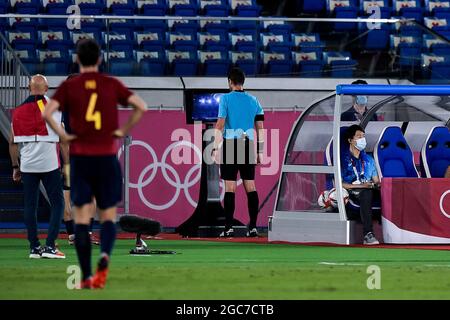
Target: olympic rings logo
192,176
441,204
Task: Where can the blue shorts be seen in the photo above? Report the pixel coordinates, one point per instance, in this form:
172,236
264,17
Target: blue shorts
95,176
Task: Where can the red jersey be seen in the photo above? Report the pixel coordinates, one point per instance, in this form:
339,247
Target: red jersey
90,100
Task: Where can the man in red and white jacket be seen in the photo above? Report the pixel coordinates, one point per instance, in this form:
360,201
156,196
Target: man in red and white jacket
36,144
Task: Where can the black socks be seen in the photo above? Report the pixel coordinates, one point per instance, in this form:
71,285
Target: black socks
253,204
228,205
83,247
70,227
107,236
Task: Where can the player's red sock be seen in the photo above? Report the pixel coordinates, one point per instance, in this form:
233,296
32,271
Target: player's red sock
83,247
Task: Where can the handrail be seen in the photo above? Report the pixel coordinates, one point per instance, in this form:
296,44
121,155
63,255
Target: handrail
199,18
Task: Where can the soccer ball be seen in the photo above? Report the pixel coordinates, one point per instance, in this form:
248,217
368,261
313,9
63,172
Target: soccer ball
323,201
327,199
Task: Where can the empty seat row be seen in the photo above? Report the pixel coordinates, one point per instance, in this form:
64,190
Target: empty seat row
248,8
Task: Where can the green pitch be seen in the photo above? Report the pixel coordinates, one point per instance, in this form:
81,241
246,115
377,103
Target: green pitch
218,270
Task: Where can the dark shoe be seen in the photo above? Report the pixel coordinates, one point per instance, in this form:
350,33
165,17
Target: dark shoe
36,253
252,233
227,233
370,240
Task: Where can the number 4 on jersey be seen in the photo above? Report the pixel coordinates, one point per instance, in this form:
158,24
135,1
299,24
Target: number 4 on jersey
96,116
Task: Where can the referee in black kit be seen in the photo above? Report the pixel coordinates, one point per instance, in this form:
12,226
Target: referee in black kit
239,114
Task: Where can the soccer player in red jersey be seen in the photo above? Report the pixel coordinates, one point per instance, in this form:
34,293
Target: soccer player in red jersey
91,100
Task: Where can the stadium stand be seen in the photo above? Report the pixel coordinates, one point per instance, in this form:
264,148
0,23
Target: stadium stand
278,48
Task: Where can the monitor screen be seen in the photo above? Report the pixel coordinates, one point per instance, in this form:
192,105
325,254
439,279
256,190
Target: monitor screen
203,105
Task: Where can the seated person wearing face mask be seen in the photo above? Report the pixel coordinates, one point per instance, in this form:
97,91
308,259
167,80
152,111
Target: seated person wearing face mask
359,107
360,178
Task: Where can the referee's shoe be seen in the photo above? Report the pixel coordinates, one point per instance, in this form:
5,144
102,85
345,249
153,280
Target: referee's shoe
252,233
229,233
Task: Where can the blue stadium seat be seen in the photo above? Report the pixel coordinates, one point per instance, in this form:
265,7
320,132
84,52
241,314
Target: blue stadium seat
122,7
216,27
375,39
3,6
29,59
341,64
311,6
22,40
435,152
437,8
278,27
118,41
435,67
213,42
152,8
215,63
122,26
277,64
246,61
441,49
408,30
343,10
151,63
436,24
91,7
409,49
244,42
214,8
56,6
182,63
27,6
80,35
56,62
55,39
121,63
184,26
343,68
150,41
306,41
182,42
24,25
276,42
309,64
241,8
440,72
187,9
367,8
92,26
409,9
409,54
393,156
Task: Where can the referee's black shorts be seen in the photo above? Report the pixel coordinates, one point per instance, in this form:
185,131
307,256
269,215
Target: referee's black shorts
238,155
95,176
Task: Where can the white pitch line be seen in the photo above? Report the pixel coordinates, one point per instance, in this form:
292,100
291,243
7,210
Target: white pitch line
341,264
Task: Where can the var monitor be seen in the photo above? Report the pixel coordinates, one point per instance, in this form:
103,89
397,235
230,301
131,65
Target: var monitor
202,105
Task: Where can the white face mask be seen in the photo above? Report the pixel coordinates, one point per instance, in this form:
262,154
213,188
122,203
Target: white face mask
361,144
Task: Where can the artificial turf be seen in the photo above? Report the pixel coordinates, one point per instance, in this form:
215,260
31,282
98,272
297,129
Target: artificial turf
223,270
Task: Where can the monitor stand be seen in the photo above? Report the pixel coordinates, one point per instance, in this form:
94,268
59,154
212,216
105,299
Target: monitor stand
208,219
